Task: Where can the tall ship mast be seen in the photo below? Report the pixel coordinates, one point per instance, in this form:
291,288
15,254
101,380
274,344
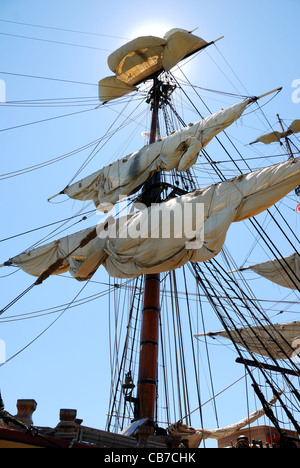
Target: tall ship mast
168,253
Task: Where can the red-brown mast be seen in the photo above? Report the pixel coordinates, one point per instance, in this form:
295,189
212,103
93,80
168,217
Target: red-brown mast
147,382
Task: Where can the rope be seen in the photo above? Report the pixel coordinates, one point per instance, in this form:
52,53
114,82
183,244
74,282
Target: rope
51,269
47,328
271,416
46,120
214,397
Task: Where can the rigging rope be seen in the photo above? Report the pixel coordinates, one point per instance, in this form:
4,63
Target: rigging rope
47,328
197,269
54,42
176,317
49,225
108,135
60,29
48,78
222,178
46,120
51,269
174,307
284,264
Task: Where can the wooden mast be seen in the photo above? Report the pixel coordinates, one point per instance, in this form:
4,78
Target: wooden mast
288,146
147,380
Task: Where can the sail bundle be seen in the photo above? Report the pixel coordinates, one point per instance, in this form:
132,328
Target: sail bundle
274,137
137,60
196,436
69,253
178,151
141,243
285,271
274,341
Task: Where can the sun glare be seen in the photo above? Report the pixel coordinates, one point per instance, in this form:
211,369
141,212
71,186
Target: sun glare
151,29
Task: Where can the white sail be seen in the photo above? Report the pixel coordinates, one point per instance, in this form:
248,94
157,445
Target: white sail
137,60
285,272
274,341
135,245
196,436
277,136
64,255
178,151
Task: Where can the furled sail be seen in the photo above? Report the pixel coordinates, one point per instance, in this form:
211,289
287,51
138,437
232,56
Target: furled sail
285,272
178,151
277,136
196,436
274,341
165,236
137,60
70,253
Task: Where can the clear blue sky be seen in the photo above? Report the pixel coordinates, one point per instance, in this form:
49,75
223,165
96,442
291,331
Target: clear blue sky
68,365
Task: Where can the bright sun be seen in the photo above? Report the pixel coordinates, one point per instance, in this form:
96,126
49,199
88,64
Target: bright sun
151,29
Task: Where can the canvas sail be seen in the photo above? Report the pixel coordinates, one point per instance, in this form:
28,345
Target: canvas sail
196,436
277,136
178,151
285,272
65,254
274,341
148,241
137,60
